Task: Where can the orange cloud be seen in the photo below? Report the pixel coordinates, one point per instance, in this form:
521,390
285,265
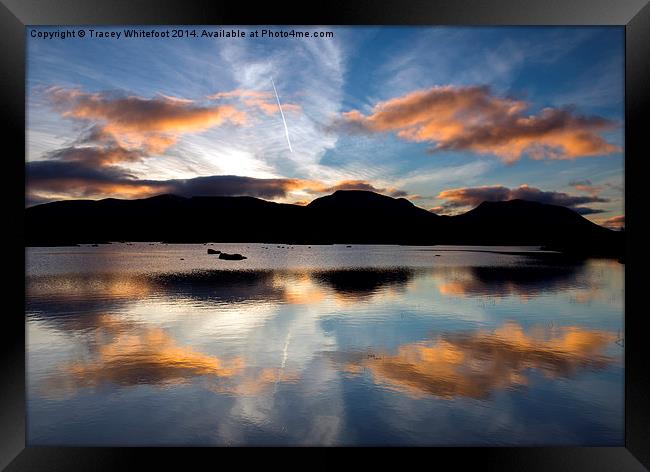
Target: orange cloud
586,186
365,185
473,119
473,196
94,172
476,364
615,222
151,125
84,175
316,187
98,155
588,189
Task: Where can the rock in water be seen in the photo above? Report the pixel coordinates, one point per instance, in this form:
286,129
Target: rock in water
231,257
212,251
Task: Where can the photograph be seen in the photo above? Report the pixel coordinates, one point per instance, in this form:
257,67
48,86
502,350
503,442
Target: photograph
359,232
249,235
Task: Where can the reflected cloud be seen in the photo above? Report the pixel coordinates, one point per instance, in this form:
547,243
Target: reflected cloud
300,289
479,363
249,385
128,354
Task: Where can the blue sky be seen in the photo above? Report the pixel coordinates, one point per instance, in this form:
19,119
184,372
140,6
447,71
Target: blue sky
444,116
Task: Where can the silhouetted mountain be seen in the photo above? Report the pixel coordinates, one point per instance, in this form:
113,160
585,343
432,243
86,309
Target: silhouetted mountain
351,216
356,216
361,200
533,223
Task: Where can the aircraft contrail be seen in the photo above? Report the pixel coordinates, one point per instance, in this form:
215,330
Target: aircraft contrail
286,130
285,354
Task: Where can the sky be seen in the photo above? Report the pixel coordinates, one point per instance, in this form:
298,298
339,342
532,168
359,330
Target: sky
446,117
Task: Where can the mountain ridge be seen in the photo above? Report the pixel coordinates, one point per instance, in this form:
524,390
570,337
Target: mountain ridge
346,216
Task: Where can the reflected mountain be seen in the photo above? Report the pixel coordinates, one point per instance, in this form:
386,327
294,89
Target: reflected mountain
73,294
282,285
524,281
221,286
65,297
78,293
363,283
476,364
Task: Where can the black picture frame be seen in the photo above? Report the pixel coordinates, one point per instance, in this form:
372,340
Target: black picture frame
634,15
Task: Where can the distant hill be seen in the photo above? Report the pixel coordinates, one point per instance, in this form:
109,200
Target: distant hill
551,226
346,216
357,216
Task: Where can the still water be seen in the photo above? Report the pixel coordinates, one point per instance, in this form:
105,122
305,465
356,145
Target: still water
154,344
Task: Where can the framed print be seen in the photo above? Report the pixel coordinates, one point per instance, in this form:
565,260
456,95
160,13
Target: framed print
405,224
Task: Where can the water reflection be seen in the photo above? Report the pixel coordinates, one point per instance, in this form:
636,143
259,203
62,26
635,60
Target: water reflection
470,364
128,354
361,284
474,364
323,356
80,293
525,281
